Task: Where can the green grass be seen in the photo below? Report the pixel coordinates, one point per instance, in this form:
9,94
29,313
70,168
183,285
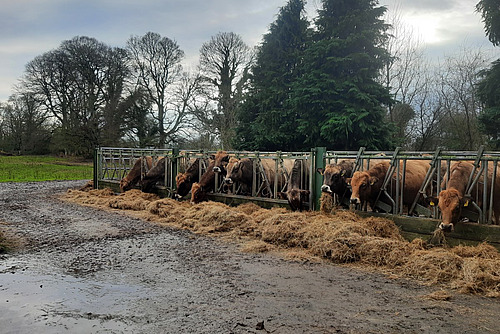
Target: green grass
43,168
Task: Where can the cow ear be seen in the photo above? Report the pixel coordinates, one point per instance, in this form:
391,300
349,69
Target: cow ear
282,195
373,180
465,201
212,157
348,180
343,173
320,170
226,158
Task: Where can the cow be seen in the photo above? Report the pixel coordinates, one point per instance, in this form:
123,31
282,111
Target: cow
367,185
452,199
184,181
295,194
134,175
242,172
200,189
154,175
335,177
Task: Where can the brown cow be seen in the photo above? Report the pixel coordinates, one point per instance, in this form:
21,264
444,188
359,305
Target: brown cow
367,185
154,175
451,200
242,171
200,189
295,194
134,175
335,177
184,181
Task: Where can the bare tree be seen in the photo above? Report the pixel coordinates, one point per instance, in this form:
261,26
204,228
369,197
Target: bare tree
458,80
224,64
78,83
156,63
402,74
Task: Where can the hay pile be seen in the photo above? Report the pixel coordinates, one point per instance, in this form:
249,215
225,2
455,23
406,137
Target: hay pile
342,237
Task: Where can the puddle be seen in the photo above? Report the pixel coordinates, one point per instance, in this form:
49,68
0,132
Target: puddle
30,300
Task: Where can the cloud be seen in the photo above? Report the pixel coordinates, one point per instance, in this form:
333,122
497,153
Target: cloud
32,27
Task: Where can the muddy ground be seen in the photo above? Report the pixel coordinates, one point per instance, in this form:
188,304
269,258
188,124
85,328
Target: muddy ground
82,270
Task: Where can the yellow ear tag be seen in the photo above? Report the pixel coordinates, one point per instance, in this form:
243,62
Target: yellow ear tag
466,203
432,203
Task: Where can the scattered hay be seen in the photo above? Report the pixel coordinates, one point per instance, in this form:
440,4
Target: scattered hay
434,266
256,246
479,276
482,250
326,203
133,199
441,295
343,237
438,238
88,186
248,208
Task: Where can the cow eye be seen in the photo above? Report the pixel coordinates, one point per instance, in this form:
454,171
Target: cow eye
363,185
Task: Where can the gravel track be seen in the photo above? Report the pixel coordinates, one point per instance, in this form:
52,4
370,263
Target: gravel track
82,270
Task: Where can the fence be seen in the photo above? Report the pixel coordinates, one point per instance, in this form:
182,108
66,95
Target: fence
112,164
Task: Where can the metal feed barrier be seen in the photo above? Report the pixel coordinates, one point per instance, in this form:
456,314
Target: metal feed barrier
112,164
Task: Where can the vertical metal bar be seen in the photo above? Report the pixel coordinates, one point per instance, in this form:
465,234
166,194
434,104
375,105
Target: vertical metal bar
311,177
398,187
485,190
95,171
318,154
403,183
276,168
492,193
254,178
435,212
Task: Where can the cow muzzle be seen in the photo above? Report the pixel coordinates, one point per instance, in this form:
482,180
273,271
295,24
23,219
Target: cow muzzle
228,180
326,189
217,169
355,200
446,227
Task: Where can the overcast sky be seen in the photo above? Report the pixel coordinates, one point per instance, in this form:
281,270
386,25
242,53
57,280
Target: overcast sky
29,28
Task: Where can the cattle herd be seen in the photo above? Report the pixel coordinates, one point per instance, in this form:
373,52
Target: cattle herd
351,184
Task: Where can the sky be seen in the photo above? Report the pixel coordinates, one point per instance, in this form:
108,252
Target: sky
29,28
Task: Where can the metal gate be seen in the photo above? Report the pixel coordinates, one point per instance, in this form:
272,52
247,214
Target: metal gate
112,164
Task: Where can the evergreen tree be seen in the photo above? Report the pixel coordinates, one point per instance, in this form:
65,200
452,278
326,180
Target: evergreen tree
488,89
265,118
338,100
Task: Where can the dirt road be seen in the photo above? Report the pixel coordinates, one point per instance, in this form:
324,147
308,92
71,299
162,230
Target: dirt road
81,270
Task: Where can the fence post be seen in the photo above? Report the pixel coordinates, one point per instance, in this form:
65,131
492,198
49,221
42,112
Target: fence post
174,163
95,178
318,161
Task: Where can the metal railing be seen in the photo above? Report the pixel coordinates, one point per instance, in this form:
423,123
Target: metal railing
112,164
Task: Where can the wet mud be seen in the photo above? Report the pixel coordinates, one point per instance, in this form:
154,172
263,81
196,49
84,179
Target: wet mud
81,270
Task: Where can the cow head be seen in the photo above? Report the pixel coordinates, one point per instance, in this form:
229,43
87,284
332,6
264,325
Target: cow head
125,185
198,194
361,186
450,203
334,179
183,183
221,160
295,197
232,169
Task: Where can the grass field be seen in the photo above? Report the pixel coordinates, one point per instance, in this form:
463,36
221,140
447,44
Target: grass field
43,168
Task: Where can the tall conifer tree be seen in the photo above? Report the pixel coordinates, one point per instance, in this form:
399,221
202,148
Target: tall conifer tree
266,120
338,100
